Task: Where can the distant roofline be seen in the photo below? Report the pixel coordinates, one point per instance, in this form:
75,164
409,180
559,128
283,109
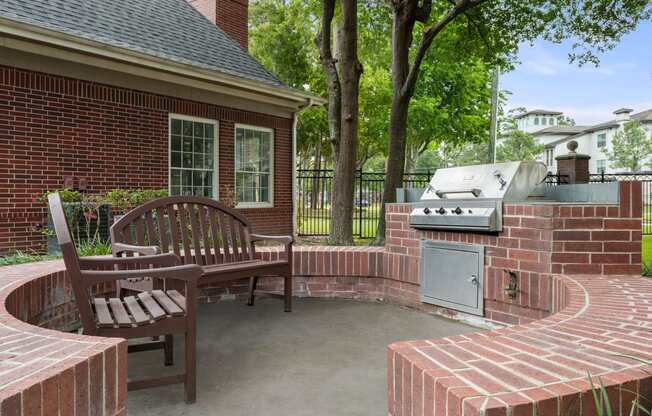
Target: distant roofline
539,112
623,110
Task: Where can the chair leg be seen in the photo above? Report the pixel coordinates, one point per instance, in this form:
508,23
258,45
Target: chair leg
253,282
287,285
191,367
169,350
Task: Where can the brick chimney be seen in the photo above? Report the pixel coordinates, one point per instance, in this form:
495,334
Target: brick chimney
230,15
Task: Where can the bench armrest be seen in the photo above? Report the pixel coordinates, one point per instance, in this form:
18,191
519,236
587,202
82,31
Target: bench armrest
188,273
285,239
119,248
107,263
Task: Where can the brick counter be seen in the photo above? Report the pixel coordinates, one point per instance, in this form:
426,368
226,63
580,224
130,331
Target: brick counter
539,368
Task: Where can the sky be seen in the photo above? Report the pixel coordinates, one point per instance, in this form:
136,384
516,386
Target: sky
545,79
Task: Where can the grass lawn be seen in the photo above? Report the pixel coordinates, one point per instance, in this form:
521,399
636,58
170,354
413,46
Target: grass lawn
646,250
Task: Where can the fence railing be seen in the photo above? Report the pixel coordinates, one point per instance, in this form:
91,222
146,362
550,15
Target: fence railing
315,191
314,200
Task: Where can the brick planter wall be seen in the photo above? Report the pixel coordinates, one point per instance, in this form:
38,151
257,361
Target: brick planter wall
47,372
52,126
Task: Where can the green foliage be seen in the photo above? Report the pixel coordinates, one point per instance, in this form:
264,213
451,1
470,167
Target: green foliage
518,145
125,198
20,257
630,147
96,247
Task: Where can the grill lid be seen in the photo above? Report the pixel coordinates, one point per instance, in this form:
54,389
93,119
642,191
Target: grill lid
509,181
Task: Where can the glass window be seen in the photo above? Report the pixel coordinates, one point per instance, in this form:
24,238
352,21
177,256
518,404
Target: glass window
544,121
254,157
551,121
601,165
192,157
536,121
602,139
549,157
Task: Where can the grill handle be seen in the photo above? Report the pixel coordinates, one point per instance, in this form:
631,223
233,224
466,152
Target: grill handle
474,191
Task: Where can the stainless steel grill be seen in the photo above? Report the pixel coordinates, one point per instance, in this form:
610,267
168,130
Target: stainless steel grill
471,197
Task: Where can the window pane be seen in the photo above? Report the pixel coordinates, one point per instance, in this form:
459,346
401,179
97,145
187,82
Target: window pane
199,129
176,127
197,179
187,160
253,165
208,130
176,143
176,159
199,145
199,161
187,144
175,177
208,178
175,190
186,178
187,128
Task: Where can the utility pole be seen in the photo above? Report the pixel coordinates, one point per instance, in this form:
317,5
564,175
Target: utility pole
494,115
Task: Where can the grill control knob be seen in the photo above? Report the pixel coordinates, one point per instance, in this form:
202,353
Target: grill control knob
426,211
441,210
458,210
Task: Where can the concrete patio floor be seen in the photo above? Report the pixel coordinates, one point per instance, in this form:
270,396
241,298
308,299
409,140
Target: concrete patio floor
325,358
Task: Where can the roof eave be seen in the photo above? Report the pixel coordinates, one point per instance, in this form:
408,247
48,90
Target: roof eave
63,40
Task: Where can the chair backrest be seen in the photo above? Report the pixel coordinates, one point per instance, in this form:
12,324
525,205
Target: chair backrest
71,260
200,230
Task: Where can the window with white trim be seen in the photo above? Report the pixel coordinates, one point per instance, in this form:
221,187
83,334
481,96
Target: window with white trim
549,157
601,165
254,160
602,140
536,121
193,156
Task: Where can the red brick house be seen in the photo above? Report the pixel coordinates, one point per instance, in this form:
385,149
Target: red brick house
139,94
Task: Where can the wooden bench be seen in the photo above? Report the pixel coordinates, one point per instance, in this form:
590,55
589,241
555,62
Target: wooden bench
204,232
155,313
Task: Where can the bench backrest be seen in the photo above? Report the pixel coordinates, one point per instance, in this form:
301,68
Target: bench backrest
200,230
71,259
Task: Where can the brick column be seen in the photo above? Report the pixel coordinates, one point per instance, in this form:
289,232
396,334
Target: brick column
573,165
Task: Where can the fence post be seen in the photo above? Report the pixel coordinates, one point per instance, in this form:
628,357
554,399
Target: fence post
359,203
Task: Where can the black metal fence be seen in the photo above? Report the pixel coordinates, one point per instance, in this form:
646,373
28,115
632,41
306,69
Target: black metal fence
314,191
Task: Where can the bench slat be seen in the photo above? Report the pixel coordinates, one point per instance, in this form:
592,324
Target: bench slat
194,230
168,305
102,312
178,298
228,257
183,222
153,240
208,256
174,229
136,311
119,312
152,307
212,219
162,230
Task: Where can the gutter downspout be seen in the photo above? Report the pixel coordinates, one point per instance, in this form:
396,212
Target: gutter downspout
295,119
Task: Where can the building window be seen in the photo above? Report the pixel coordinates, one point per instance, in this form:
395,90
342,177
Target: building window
254,159
544,121
536,121
601,165
549,157
551,121
602,139
193,156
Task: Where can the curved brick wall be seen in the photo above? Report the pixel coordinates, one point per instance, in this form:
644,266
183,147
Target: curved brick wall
48,372
538,368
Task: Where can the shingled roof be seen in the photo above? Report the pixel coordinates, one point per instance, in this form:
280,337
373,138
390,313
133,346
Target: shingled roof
169,29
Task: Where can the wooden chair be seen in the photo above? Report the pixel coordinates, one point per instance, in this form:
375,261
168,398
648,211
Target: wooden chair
148,315
204,232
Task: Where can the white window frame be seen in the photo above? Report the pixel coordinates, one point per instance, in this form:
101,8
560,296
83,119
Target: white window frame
216,148
272,172
598,167
597,140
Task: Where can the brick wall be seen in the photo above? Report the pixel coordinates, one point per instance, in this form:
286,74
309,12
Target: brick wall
51,127
537,241
230,15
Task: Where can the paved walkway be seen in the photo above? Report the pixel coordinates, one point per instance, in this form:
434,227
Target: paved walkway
325,358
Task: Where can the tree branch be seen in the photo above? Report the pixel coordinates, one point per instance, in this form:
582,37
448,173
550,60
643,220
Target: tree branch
426,41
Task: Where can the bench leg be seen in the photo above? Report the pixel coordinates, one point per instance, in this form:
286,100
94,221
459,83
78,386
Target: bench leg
169,350
191,367
287,286
253,281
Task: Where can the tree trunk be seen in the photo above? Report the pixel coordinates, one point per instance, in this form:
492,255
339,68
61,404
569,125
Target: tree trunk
349,70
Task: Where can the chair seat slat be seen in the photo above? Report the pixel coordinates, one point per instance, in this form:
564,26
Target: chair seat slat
178,298
168,305
140,317
102,312
153,308
119,313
